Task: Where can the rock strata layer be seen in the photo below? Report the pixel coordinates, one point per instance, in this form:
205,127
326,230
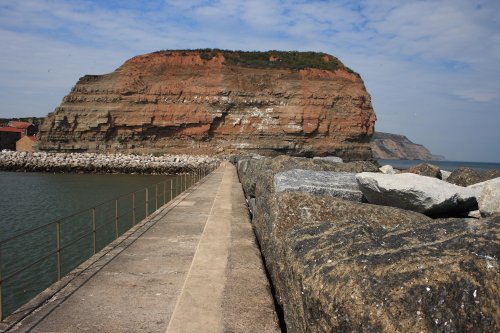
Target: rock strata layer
200,102
103,163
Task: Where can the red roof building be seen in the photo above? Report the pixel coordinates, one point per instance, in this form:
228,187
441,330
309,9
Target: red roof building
11,129
19,124
9,136
27,127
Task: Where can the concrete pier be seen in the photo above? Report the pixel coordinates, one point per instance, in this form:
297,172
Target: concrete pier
193,266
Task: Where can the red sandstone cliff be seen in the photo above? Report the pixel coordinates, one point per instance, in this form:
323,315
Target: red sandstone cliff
198,102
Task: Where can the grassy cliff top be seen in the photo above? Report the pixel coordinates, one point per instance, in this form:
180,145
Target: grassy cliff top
271,59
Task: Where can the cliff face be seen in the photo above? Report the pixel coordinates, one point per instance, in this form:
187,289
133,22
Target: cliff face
214,102
389,146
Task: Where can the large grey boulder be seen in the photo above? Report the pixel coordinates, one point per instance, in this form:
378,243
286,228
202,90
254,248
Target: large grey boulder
250,170
338,184
422,194
468,176
488,195
425,169
333,159
388,169
445,174
344,266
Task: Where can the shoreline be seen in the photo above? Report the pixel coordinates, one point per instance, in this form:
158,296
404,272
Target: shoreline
444,165
97,163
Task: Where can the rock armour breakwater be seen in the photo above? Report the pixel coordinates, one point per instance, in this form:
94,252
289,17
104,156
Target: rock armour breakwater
348,266
102,163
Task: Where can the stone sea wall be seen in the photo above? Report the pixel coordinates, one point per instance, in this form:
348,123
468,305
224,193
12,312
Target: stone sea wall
341,264
102,163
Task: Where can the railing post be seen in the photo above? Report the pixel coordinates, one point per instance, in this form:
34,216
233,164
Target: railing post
116,218
156,197
171,189
58,241
133,208
175,186
164,192
1,286
94,231
147,202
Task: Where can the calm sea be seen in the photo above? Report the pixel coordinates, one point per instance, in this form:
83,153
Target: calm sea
31,200
444,165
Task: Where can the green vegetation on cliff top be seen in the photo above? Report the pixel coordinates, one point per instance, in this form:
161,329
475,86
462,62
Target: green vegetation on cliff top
271,59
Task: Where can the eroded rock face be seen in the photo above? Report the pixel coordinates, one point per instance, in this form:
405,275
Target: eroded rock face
173,101
395,146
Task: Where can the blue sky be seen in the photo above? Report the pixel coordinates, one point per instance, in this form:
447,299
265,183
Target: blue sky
431,67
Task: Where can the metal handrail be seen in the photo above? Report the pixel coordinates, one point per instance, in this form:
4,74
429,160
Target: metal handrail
182,182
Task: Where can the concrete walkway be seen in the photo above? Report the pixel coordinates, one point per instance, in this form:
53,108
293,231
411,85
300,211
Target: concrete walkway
192,267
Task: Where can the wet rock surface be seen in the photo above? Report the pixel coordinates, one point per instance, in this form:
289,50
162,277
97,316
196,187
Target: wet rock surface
417,193
102,163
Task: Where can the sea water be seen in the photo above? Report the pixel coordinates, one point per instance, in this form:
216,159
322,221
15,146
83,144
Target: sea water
444,165
35,200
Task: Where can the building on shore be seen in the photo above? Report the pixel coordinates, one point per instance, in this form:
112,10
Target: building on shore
18,135
26,143
28,128
9,136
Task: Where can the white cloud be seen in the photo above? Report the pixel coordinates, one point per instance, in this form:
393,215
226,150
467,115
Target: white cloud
427,57
479,96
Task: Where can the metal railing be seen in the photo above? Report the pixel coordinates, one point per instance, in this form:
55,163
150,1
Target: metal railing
62,245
